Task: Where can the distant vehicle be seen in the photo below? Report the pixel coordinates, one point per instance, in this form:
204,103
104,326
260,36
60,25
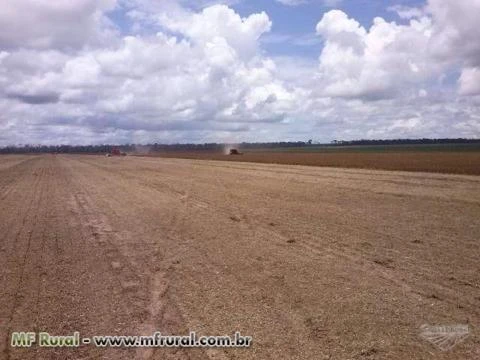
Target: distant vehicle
235,152
116,152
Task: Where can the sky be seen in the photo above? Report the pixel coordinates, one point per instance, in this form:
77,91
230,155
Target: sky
176,71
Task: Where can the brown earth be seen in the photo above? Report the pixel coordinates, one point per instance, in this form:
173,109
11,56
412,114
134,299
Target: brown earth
314,263
448,162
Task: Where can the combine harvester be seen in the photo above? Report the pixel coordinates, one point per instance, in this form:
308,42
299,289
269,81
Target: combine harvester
116,152
235,152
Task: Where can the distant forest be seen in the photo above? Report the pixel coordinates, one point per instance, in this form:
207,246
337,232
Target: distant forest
132,148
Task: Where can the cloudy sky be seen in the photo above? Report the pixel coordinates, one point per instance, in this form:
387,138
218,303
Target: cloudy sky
139,71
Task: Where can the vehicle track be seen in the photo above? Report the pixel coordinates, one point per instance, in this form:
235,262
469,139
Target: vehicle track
310,262
309,245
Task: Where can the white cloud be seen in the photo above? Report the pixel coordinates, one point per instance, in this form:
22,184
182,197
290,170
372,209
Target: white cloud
61,23
407,12
209,76
470,81
190,73
455,35
388,57
375,63
221,21
332,3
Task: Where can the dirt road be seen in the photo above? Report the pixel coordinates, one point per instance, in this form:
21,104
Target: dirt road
313,263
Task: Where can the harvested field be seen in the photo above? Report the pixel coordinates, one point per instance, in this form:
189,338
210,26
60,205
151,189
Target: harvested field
313,263
448,162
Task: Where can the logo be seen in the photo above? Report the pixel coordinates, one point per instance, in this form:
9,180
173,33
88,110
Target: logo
444,337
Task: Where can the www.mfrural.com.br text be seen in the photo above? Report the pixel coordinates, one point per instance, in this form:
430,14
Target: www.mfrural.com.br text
157,339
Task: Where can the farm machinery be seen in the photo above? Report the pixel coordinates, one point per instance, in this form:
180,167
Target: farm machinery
116,152
235,152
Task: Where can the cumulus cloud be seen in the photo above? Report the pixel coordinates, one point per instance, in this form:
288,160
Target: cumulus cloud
375,63
209,73
470,81
193,73
221,22
61,23
454,29
389,58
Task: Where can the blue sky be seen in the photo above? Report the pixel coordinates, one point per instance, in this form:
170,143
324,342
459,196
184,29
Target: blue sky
293,31
300,21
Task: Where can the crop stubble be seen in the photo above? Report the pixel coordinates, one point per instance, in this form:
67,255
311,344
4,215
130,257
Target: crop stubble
448,162
312,262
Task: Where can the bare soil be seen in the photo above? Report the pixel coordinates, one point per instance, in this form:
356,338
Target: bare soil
447,162
313,263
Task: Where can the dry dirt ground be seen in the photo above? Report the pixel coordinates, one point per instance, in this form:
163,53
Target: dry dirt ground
313,263
448,162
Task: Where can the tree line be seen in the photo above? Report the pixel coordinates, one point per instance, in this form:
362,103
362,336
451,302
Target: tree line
423,141
156,147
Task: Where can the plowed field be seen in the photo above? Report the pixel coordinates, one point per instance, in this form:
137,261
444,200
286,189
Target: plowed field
313,263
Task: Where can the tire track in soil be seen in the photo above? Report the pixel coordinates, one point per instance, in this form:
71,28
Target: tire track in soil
203,204
164,312
44,253
161,313
189,202
73,279
224,210
308,247
86,257
300,250
150,285
123,273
